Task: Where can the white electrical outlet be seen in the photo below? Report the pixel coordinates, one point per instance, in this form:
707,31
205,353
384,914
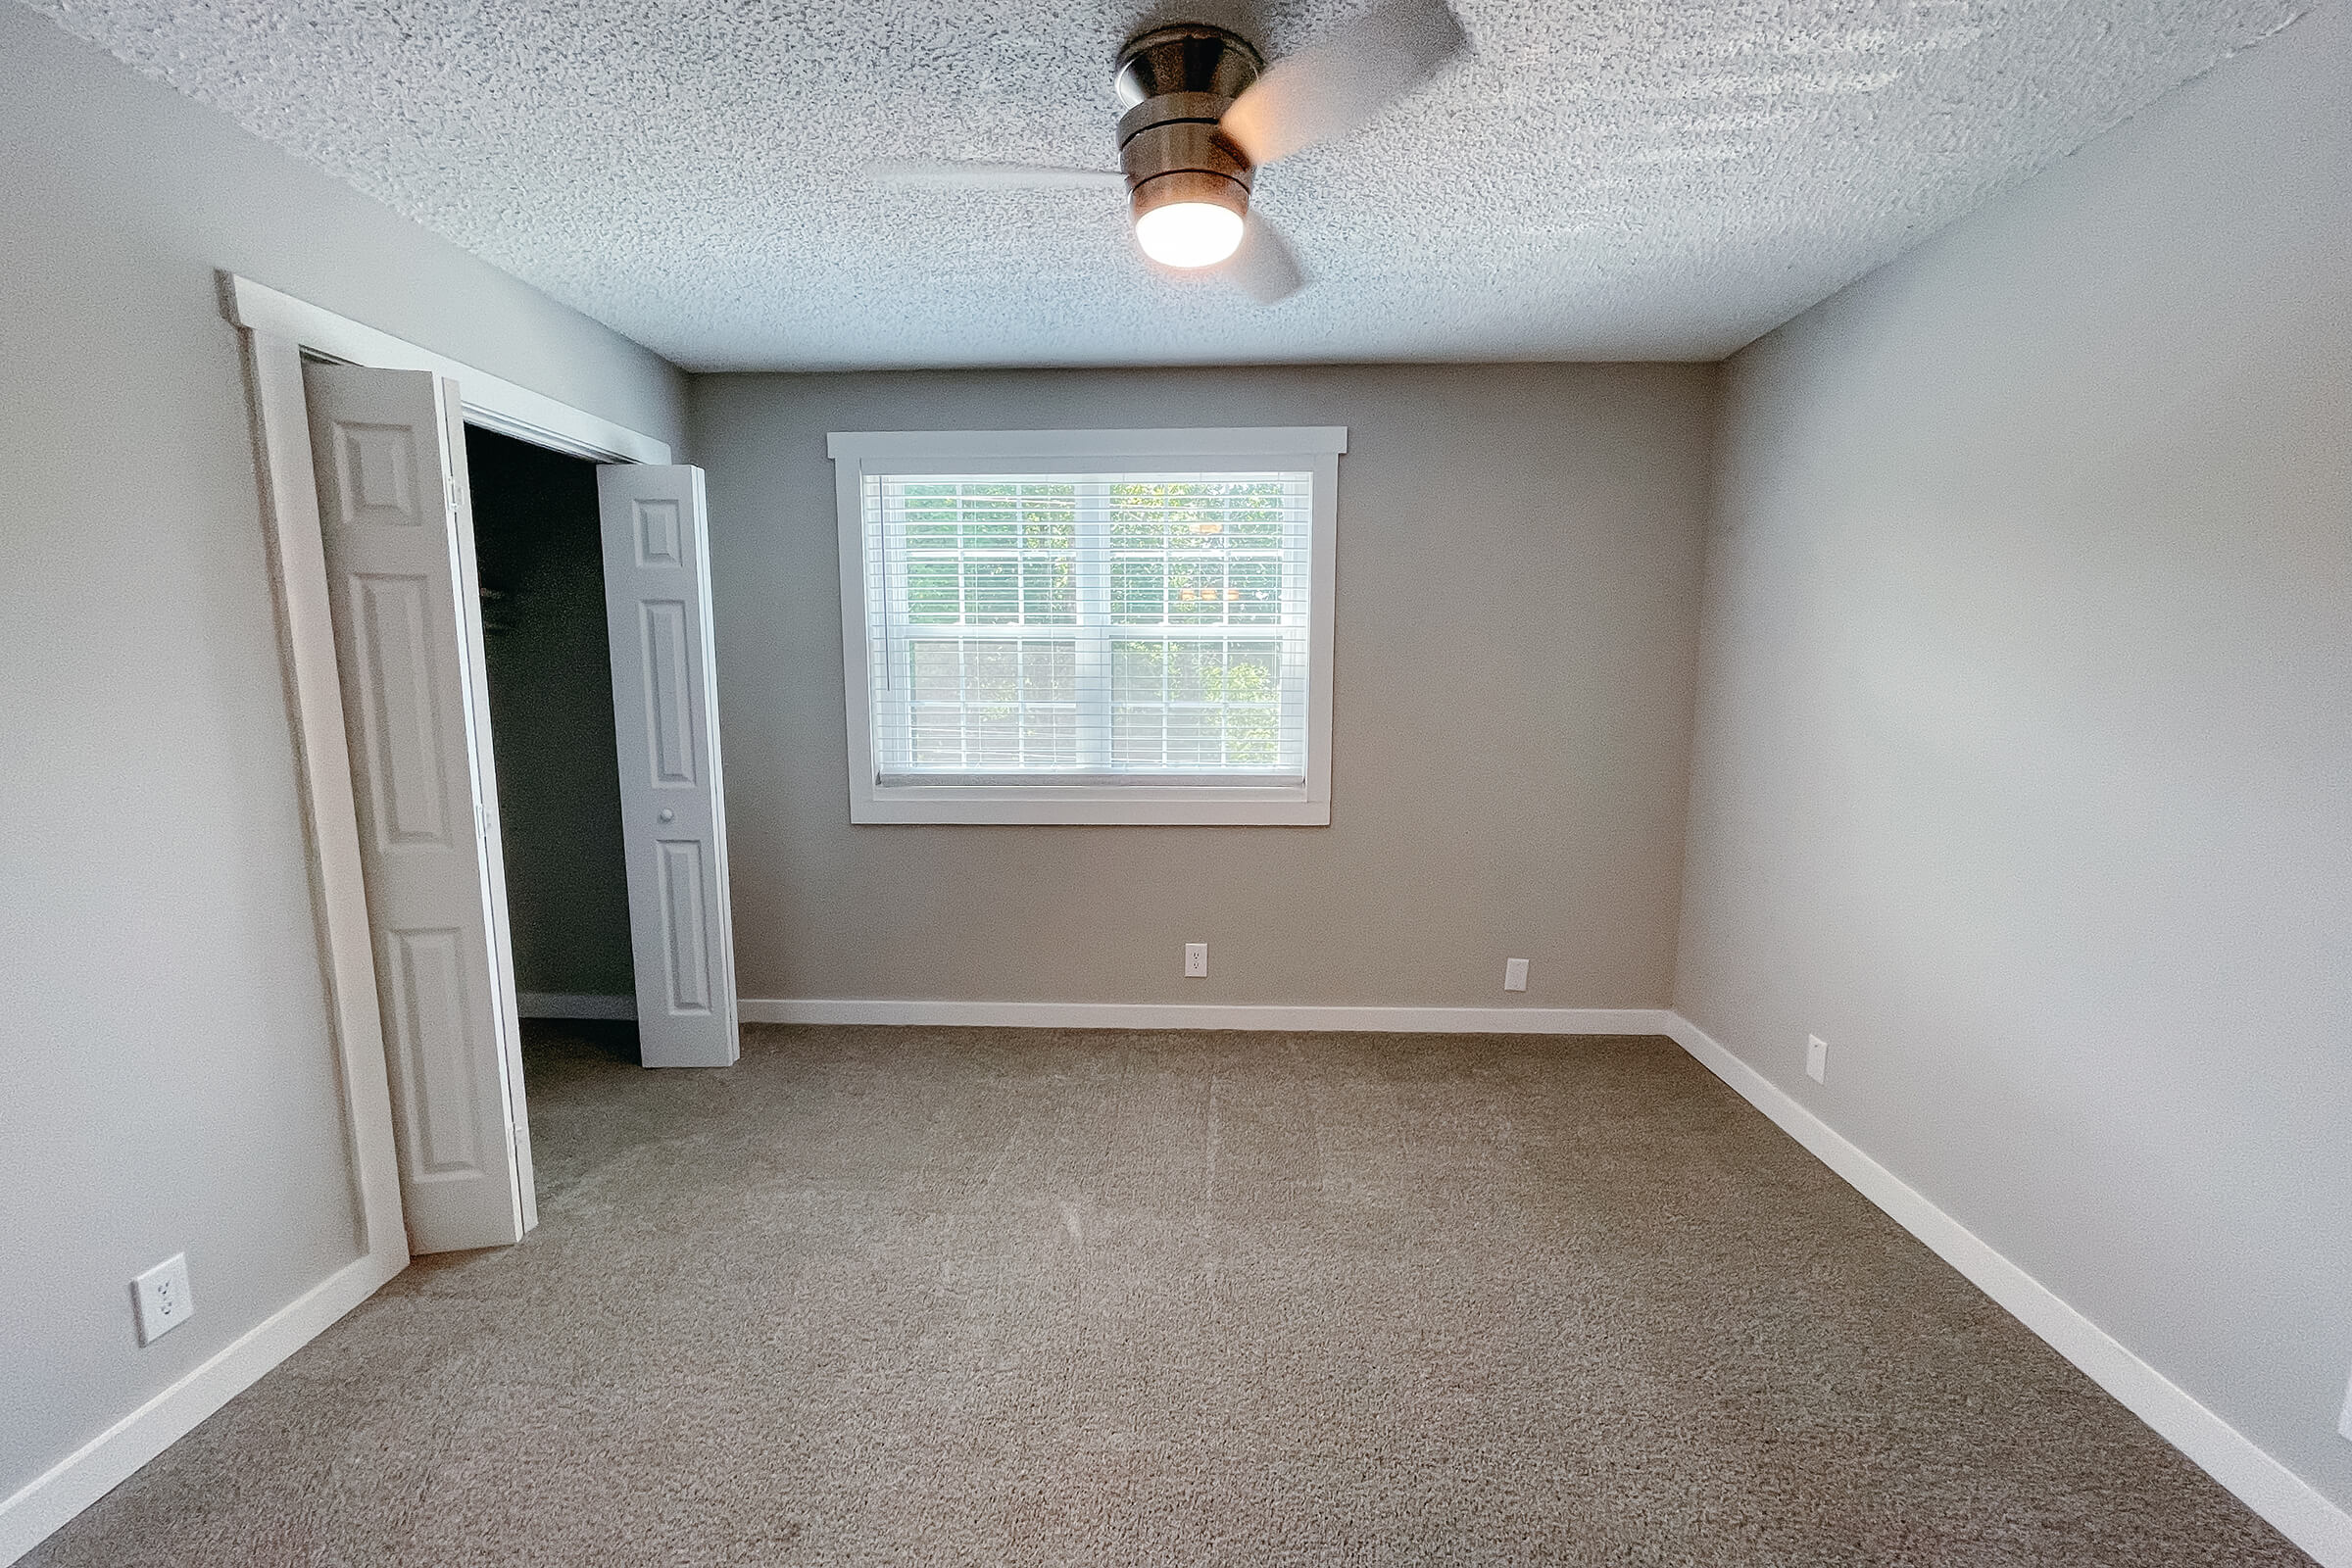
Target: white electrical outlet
1816,1057
1196,961
2343,1419
162,1299
1514,974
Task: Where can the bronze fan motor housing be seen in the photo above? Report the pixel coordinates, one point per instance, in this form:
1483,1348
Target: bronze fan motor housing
1174,84
1203,112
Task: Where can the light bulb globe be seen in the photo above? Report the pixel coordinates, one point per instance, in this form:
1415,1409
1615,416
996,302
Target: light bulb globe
1188,233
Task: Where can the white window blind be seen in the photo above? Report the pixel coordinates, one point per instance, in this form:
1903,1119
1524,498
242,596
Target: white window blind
1135,627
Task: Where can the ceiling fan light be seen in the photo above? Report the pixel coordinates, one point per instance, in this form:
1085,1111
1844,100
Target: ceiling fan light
1188,233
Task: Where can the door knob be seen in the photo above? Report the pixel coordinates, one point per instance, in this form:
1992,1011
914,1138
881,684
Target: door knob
668,815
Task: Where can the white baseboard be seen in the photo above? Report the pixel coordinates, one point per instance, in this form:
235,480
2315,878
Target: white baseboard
1208,1015
574,1005
111,1457
2228,1455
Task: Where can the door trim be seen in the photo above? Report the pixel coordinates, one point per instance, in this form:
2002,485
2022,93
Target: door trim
276,330
490,401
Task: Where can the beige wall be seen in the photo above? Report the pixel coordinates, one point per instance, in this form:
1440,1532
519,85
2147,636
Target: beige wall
167,1067
1518,569
2024,761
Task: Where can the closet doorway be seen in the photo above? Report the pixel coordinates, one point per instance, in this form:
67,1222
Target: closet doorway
363,444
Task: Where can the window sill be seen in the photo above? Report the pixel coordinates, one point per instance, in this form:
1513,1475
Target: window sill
1096,805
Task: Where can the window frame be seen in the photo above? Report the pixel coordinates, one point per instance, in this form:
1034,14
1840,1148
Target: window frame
1310,448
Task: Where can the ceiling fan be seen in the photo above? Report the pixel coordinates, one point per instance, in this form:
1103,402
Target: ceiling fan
1203,112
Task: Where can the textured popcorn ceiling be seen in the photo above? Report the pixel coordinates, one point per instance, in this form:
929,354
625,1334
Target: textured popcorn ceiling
1599,180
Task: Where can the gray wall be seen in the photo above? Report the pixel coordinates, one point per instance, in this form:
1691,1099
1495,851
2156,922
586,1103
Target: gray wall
167,1064
1518,573
2024,761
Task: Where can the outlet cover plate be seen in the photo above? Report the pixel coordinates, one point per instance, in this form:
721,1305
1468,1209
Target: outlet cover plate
1816,1057
1514,974
162,1299
1196,961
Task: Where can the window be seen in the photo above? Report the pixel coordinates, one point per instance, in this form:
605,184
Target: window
1089,626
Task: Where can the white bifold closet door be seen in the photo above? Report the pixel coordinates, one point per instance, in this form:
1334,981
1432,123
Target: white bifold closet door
390,453
665,718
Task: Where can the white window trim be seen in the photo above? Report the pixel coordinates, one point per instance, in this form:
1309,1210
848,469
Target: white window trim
1310,448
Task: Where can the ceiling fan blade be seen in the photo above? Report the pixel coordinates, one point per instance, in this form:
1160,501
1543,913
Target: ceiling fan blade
1265,268
1334,85
949,175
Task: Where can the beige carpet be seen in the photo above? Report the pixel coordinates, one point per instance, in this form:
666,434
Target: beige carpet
974,1296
